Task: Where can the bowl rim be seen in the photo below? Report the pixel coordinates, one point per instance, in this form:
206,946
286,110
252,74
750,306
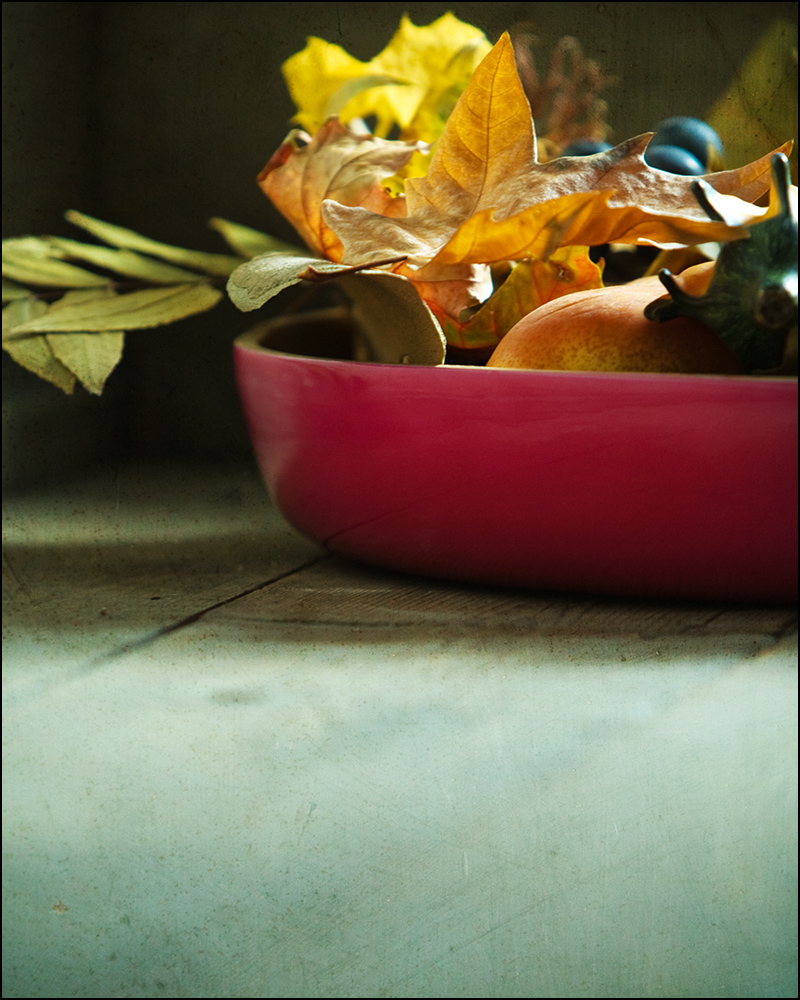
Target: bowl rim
252,340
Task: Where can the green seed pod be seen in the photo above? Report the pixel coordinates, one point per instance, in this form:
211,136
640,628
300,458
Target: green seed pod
751,302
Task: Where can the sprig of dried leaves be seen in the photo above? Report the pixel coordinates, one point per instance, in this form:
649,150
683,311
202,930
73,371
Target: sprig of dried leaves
67,304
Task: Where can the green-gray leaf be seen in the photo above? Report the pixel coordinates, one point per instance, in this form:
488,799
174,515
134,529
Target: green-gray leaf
29,259
35,353
11,291
90,356
250,242
82,311
217,264
124,262
260,279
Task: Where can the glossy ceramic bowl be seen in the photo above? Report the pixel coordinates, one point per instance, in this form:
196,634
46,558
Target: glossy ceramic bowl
649,485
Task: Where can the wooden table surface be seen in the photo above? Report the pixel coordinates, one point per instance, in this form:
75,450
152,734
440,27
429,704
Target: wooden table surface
236,765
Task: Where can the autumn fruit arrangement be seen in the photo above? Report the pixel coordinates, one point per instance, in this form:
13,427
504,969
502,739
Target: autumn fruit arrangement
457,199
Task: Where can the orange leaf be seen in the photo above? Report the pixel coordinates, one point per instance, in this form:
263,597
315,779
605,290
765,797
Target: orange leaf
488,140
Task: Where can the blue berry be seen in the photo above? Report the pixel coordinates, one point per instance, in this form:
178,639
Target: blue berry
673,159
691,134
584,147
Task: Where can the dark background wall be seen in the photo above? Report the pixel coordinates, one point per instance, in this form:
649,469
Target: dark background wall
159,115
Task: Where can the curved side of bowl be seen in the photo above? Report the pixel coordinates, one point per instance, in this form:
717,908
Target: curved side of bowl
649,485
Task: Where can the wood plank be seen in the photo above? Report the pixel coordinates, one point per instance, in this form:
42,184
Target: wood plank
336,591
130,551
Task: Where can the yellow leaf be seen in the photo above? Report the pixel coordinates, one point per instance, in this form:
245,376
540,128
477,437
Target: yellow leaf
434,61
429,65
489,140
314,75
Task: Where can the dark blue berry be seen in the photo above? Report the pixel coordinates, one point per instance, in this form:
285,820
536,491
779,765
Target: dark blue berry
584,147
673,159
691,134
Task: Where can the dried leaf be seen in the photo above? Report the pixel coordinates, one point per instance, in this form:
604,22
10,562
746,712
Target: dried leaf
89,356
216,264
486,198
34,353
318,274
450,289
338,164
398,326
99,311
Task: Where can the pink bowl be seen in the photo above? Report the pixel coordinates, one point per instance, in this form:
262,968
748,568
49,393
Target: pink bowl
650,485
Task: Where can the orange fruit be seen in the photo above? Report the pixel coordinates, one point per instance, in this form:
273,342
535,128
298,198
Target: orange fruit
605,329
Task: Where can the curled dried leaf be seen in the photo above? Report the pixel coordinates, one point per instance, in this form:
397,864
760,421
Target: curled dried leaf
398,326
337,164
262,278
